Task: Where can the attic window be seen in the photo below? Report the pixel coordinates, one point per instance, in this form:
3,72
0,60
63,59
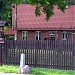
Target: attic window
51,32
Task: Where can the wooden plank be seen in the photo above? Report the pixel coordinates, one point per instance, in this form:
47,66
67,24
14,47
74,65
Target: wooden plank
50,54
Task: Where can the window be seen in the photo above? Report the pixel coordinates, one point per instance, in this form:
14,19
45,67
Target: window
65,35
51,32
38,35
24,35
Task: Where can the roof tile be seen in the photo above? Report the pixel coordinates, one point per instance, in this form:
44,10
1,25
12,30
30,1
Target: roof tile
27,19
9,31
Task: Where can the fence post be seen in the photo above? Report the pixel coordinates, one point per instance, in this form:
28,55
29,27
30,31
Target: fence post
74,63
36,51
74,59
1,42
0,54
22,60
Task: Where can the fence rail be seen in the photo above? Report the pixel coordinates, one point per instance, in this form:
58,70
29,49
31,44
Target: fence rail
43,53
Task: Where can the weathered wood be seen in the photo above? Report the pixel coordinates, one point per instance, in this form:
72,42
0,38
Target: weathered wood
0,53
58,54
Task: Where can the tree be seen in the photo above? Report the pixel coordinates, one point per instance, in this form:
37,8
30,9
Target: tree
25,2
47,6
5,9
71,2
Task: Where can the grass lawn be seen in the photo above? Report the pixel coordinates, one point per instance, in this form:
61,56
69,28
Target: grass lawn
36,71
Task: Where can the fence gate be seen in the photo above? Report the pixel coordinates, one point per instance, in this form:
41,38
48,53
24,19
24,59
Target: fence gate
43,53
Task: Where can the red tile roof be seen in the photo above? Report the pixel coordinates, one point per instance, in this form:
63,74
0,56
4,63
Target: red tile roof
9,31
26,19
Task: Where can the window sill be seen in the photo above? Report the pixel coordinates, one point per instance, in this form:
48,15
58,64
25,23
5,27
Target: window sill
64,39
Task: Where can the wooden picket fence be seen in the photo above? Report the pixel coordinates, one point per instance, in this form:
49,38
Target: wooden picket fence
59,54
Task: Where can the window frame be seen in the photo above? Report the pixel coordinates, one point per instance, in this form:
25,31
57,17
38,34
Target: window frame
25,35
37,34
64,35
51,33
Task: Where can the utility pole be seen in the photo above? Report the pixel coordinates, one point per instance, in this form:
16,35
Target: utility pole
16,25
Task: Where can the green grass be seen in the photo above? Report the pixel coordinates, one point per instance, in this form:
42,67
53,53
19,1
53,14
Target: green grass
9,68
36,71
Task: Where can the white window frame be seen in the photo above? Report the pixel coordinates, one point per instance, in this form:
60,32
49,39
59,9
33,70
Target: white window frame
65,35
37,34
25,35
51,33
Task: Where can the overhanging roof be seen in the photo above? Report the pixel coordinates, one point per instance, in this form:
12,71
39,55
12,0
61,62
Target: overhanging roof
3,23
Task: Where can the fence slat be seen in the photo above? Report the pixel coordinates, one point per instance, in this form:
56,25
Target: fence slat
57,54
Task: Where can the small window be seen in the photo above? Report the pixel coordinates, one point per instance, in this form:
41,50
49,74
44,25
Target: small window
38,35
51,32
65,35
24,35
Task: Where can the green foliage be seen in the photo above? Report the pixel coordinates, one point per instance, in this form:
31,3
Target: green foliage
10,37
5,9
47,6
71,2
25,1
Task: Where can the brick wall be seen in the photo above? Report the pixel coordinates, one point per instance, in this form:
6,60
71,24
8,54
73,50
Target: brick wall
44,34
31,35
